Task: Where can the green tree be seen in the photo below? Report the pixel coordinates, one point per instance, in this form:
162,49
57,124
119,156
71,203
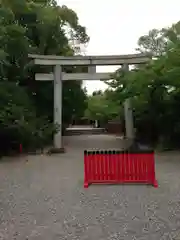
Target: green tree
154,89
39,27
154,42
101,108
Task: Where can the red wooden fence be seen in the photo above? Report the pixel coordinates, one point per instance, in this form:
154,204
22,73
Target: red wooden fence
119,167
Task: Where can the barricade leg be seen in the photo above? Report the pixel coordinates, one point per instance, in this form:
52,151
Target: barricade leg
155,183
86,184
86,170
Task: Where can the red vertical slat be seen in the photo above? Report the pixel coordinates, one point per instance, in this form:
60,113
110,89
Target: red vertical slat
111,160
103,166
120,166
85,170
149,167
126,167
155,183
89,167
112,165
105,160
101,160
108,167
129,167
132,167
116,166
147,170
130,160
130,172
123,168
141,165
97,167
91,163
100,168
144,168
95,158
137,167
151,156
141,156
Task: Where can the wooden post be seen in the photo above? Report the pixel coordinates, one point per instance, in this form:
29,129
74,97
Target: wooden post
58,106
128,114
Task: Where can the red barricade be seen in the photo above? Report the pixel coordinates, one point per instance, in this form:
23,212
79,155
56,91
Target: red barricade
119,167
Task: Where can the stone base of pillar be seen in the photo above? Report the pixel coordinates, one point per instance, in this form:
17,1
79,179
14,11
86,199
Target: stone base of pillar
54,150
129,142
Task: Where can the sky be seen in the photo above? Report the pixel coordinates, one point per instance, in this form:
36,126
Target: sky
114,26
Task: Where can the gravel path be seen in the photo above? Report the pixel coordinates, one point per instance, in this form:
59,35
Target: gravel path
42,197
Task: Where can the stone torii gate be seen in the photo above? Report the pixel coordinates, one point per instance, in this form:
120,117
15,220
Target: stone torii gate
91,61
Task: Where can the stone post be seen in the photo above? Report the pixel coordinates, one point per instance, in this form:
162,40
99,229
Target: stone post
128,114
58,106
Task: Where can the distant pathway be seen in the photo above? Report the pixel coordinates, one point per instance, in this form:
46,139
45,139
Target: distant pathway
96,142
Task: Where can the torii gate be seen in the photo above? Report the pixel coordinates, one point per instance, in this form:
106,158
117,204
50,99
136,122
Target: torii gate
91,61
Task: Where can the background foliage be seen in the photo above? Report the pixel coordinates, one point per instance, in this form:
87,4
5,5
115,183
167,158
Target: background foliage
154,89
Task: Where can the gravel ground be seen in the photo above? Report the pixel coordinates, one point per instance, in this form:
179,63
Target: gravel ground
42,197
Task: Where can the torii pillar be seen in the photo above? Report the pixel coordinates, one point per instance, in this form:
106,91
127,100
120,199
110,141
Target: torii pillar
129,123
58,106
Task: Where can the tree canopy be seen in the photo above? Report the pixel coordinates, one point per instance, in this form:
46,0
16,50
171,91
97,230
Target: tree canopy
38,27
101,107
154,88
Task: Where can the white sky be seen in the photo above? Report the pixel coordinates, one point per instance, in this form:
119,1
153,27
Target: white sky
114,26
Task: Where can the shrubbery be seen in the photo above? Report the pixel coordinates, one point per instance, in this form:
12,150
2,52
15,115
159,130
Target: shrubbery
18,121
